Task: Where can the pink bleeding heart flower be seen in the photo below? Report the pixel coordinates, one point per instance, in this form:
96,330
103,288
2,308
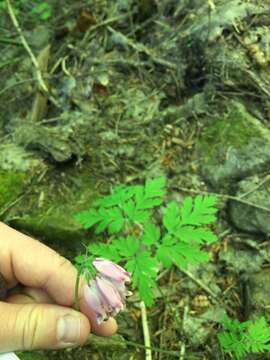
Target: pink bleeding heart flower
111,270
92,297
110,297
106,294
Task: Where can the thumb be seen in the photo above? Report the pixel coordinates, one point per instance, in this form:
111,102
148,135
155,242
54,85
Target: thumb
40,326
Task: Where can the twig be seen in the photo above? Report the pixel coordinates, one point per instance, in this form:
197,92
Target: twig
142,48
14,20
16,84
267,178
101,24
183,345
146,334
201,284
11,204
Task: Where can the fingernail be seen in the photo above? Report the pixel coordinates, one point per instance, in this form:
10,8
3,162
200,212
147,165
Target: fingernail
68,329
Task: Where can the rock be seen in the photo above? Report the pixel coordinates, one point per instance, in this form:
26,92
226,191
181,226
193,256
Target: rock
241,260
58,142
16,158
233,146
195,329
250,218
223,17
198,328
260,292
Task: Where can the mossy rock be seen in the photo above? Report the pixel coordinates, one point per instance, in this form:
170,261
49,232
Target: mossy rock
250,218
17,169
260,292
48,210
233,146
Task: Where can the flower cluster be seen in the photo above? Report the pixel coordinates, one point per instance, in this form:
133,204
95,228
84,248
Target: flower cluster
106,294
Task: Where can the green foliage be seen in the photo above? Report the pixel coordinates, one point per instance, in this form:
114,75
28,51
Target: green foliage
136,239
241,338
41,9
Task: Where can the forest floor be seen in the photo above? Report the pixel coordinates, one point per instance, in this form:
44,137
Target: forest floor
98,93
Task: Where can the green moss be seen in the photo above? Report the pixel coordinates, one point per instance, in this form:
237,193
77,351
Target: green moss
31,355
48,210
234,129
11,185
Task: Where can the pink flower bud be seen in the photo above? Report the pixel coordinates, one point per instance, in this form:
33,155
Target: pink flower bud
111,270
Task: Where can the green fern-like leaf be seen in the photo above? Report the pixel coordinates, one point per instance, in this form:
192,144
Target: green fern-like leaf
171,217
125,203
144,270
201,211
258,334
246,337
151,234
119,195
105,251
151,194
182,244
126,246
88,218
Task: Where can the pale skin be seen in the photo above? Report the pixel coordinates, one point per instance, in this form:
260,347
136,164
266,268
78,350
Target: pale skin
31,317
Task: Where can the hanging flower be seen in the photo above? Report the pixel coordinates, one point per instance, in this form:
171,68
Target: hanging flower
106,294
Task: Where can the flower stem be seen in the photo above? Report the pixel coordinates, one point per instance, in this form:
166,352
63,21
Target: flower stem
77,303
155,349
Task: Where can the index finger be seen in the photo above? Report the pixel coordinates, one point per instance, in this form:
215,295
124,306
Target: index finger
28,261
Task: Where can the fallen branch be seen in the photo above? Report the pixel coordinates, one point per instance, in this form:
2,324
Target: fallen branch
14,20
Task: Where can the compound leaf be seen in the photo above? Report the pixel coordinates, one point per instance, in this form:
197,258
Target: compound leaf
164,255
88,218
196,235
144,270
155,187
112,218
126,246
104,250
201,211
243,338
151,233
119,195
151,194
171,217
259,335
116,225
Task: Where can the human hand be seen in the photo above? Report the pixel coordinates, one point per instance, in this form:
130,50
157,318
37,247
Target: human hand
40,315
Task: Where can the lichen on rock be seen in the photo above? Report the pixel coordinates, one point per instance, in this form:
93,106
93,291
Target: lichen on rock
232,146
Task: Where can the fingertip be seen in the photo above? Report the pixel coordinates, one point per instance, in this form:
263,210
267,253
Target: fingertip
106,328
85,329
